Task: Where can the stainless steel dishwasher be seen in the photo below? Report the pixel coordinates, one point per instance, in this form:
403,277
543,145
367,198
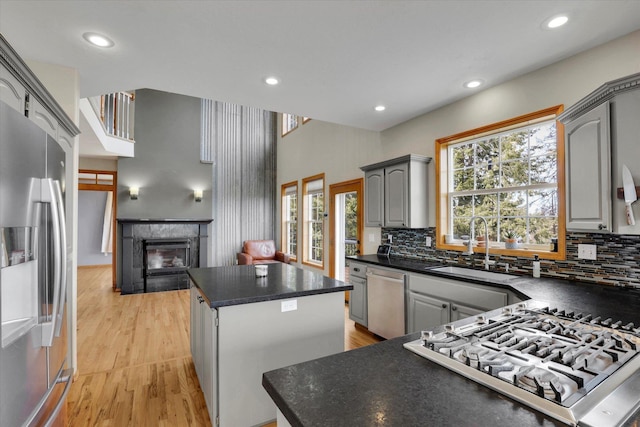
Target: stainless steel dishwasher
385,300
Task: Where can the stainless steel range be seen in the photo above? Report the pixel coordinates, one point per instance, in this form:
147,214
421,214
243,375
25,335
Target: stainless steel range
579,369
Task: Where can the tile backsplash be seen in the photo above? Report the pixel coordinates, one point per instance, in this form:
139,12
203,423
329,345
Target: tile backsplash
617,263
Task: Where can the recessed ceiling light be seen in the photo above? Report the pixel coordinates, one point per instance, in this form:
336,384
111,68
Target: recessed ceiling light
271,81
380,108
472,84
557,21
98,40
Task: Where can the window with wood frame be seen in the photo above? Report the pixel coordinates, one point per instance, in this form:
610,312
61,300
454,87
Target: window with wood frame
289,123
289,194
511,174
313,214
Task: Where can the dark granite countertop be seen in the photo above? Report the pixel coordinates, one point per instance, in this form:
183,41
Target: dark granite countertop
238,284
386,385
607,301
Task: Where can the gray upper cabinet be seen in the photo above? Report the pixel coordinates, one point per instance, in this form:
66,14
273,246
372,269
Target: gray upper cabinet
588,171
396,197
396,193
11,91
21,89
625,131
602,132
43,118
374,198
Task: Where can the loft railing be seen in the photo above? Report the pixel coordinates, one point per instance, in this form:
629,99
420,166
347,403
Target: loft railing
350,247
117,113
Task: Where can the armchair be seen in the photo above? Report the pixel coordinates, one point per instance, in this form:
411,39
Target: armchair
261,252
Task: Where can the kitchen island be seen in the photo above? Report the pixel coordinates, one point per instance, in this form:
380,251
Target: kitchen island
384,384
243,325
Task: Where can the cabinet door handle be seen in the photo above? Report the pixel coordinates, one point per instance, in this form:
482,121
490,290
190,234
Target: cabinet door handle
444,305
602,227
454,308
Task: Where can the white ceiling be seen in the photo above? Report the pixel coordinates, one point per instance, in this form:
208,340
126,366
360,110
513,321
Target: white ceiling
336,59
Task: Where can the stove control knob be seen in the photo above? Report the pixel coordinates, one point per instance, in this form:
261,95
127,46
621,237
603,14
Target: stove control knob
425,336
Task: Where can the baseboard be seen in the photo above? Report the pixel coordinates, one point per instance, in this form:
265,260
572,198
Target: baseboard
94,266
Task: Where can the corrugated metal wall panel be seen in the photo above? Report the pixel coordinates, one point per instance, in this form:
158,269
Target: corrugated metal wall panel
243,151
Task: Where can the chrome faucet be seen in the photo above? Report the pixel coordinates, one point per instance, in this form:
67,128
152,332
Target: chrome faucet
487,261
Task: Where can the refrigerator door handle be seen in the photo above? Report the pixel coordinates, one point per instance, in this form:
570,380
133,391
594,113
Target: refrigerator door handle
66,376
49,196
63,257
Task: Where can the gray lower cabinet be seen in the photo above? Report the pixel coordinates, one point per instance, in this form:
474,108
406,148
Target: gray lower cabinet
203,341
232,346
461,311
425,311
358,301
434,301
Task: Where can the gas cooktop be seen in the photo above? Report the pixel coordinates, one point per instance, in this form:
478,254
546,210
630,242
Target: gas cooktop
580,369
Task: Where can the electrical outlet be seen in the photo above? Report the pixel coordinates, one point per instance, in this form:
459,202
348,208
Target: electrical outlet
428,241
390,238
289,305
587,252
372,237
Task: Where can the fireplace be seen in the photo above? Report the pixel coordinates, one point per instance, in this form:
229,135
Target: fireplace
155,254
165,264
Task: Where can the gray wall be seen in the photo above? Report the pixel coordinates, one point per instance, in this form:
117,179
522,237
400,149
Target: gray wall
244,152
90,221
166,166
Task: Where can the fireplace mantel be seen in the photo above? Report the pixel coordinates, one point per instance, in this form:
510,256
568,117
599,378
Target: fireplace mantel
163,221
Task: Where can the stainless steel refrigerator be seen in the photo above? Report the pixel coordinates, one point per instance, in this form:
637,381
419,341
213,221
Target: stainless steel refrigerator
34,378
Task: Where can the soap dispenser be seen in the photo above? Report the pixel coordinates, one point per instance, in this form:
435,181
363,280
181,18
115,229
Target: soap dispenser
536,266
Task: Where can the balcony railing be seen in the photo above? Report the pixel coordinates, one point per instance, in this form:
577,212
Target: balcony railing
117,113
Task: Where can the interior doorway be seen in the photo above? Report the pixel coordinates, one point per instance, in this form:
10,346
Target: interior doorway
97,206
345,225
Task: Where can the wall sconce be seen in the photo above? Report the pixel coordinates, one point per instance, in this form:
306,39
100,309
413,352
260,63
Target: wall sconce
197,195
133,193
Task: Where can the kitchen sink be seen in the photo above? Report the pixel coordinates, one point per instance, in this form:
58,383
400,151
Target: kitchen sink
479,274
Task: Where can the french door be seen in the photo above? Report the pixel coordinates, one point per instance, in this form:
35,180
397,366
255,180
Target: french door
345,224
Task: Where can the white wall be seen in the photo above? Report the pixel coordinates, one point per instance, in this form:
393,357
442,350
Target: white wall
335,150
96,163
339,151
564,82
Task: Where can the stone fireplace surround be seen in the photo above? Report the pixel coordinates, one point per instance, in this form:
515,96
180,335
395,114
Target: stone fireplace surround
132,233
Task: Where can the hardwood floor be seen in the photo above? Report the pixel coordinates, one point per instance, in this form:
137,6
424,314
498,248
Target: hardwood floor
134,362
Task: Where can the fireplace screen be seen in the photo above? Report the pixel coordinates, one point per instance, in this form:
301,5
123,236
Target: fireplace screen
168,258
